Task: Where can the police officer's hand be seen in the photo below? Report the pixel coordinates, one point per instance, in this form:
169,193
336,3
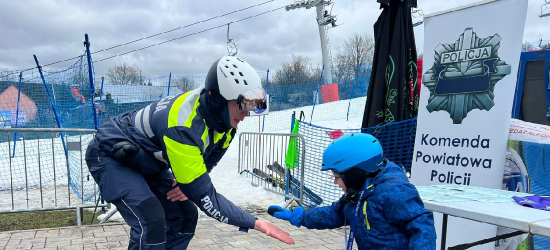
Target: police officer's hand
176,194
124,149
295,216
273,231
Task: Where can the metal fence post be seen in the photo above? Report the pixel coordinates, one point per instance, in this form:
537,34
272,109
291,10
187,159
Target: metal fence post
91,76
32,180
100,98
264,163
169,82
52,104
17,114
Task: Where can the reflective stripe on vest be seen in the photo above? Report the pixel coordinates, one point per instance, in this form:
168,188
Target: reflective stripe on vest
142,118
146,123
159,157
141,121
205,138
184,109
137,121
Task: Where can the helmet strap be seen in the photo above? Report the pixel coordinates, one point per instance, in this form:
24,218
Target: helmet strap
354,178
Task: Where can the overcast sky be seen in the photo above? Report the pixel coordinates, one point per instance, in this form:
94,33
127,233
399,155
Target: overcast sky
54,30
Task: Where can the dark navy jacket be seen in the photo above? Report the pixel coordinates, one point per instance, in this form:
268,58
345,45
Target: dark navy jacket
175,134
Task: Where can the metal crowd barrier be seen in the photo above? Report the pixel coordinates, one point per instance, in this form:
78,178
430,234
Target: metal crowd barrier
43,169
263,158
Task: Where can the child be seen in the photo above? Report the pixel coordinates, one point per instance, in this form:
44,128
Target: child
383,209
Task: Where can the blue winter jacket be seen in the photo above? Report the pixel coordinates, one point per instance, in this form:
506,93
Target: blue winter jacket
392,215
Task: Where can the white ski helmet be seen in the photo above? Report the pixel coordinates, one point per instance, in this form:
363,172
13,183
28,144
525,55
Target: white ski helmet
235,79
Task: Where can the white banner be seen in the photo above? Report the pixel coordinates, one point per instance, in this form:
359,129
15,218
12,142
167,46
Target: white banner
531,132
471,57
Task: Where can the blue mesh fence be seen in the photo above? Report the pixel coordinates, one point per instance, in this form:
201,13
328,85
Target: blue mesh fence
66,99
397,139
69,91
117,99
62,99
289,92
29,100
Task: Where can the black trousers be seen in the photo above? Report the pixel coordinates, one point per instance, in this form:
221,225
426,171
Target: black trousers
155,221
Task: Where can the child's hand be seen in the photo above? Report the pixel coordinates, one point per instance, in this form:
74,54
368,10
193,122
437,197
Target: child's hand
295,217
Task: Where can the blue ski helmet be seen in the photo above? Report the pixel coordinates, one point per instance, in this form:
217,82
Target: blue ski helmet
362,151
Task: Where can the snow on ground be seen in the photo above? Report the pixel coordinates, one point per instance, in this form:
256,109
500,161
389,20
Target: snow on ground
237,188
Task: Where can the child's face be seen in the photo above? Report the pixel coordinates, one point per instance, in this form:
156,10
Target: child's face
338,181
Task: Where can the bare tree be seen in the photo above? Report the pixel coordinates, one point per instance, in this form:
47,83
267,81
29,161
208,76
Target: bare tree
7,74
357,48
527,46
535,45
124,74
299,70
184,83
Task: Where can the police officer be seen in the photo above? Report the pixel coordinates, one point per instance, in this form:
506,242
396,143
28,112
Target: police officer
153,163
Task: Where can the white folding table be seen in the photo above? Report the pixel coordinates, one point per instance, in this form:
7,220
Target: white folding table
485,205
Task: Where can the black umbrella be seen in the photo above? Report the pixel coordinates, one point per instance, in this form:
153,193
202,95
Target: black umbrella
392,94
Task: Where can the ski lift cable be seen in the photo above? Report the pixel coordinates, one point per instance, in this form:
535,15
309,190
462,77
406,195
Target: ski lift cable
144,38
60,61
42,66
185,26
188,35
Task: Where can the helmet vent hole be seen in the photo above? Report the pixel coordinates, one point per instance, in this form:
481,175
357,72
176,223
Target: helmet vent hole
232,73
235,66
241,73
226,66
237,81
245,83
240,60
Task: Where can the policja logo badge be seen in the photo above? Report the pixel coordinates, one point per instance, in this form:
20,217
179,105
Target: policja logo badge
464,75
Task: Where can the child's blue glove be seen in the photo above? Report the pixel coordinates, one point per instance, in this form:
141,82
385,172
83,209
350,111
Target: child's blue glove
294,217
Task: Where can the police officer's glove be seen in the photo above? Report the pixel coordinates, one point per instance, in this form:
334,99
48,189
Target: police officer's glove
124,149
295,216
